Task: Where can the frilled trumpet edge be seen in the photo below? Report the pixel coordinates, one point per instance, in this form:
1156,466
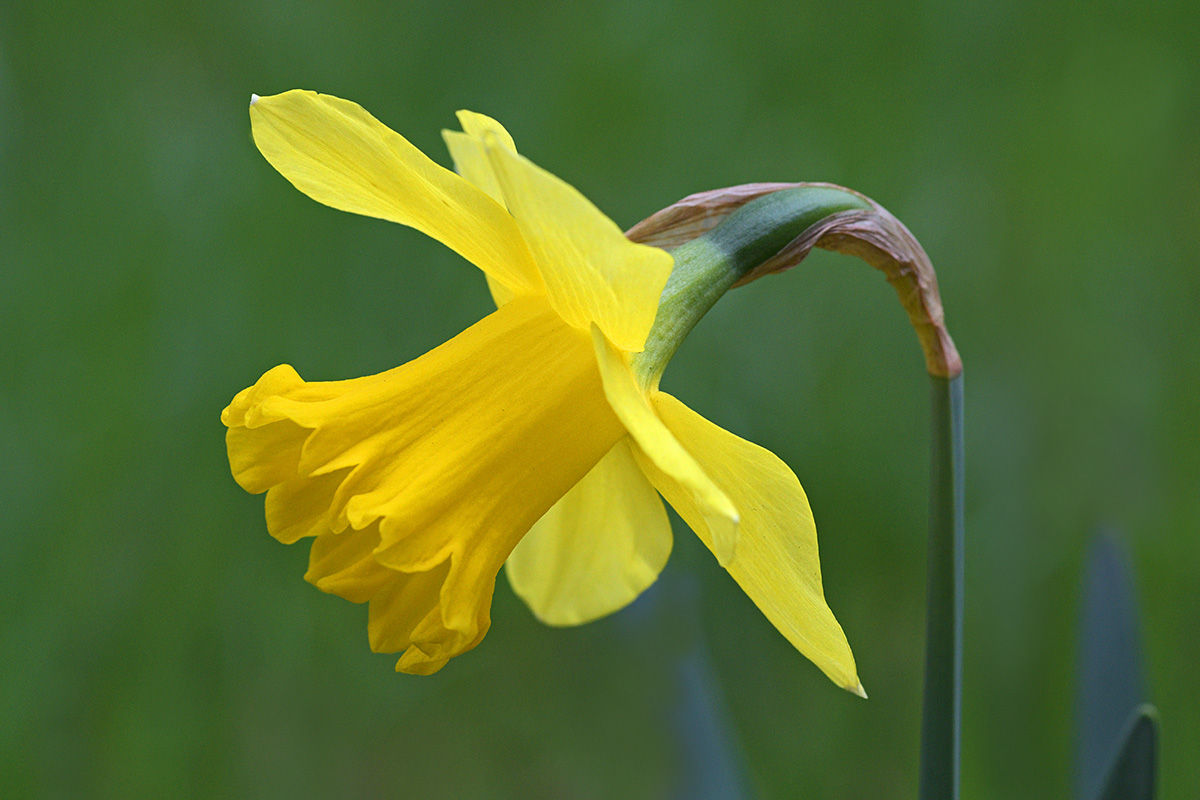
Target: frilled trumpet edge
418,482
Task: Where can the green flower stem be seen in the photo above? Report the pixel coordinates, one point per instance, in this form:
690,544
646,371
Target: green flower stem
775,229
942,707
708,266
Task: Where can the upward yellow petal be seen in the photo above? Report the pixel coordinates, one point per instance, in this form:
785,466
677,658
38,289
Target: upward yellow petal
479,126
467,150
418,482
472,163
592,273
340,155
776,561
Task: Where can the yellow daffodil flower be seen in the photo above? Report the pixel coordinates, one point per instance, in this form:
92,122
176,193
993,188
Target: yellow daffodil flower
530,438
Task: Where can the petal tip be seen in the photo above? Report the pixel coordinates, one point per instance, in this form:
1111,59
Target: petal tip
253,99
723,528
724,554
491,142
414,662
858,690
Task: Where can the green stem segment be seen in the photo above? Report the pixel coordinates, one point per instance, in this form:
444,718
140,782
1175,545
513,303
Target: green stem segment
709,266
942,707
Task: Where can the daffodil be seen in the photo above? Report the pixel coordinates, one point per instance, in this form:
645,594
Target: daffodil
536,437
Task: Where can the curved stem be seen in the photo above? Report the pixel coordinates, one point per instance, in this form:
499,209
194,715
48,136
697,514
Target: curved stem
709,265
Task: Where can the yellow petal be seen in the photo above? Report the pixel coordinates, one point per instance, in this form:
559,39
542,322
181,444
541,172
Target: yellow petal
654,440
472,163
470,158
597,549
776,562
448,460
406,610
339,155
302,506
344,564
268,456
501,294
479,126
400,602
592,273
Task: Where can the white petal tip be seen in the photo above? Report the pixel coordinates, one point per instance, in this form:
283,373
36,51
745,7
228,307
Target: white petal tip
253,99
858,690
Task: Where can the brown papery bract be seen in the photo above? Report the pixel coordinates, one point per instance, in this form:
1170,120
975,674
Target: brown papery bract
874,235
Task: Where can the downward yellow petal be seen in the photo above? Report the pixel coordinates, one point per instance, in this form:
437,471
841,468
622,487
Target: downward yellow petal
776,562
340,155
632,407
597,549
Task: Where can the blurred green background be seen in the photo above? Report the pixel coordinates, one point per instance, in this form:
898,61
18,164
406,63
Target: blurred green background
155,641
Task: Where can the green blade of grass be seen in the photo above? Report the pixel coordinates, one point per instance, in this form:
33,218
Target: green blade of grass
1133,772
1117,740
